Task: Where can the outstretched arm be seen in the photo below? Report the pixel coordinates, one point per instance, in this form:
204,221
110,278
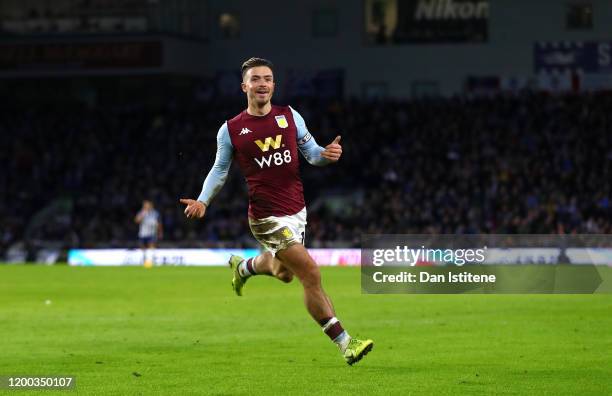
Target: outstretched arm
218,173
315,154
216,177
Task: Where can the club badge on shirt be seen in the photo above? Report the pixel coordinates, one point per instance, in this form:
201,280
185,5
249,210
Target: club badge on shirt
281,121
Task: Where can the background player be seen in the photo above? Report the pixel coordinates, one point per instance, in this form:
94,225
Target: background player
150,229
265,140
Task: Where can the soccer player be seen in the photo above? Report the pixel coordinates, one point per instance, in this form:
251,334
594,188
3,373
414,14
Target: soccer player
150,229
265,139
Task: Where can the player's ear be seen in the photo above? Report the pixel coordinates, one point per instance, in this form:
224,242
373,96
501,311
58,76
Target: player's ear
244,87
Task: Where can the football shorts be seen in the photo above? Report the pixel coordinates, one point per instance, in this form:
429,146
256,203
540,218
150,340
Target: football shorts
278,233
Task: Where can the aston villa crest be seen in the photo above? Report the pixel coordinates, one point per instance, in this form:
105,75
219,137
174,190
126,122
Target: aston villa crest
282,121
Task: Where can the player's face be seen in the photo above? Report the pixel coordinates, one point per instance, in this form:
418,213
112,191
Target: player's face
258,84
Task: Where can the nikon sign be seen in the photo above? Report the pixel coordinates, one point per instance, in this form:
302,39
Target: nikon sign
430,10
442,21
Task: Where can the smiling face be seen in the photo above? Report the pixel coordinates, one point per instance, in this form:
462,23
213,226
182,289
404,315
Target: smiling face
258,84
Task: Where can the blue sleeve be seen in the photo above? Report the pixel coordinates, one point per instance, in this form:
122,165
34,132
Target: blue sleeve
307,143
218,173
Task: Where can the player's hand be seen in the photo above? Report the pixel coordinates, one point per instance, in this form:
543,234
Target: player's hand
333,151
194,209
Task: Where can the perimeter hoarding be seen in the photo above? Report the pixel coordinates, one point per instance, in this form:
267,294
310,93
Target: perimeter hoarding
327,257
195,257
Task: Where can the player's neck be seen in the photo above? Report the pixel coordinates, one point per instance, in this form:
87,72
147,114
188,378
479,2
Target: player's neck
259,111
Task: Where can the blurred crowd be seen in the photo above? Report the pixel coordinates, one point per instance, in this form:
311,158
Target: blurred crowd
527,164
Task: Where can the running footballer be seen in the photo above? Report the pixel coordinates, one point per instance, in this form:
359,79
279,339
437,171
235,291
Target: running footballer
264,139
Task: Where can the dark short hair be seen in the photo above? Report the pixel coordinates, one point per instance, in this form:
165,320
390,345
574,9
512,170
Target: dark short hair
254,62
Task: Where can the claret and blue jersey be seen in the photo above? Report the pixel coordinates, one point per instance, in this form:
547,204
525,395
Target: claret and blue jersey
266,149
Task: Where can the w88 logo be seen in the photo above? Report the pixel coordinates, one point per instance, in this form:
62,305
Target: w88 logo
275,159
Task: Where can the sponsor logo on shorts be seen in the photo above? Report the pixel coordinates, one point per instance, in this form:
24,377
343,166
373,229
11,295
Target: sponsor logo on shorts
287,232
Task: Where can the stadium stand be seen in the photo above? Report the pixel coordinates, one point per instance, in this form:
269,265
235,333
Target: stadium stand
532,163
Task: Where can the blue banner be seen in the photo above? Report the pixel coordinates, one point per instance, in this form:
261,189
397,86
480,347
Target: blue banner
580,57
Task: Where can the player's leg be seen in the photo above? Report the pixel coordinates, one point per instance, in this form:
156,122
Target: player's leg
145,246
263,264
269,232
267,264
297,259
283,268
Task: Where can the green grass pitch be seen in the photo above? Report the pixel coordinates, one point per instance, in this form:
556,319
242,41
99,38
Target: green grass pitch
179,330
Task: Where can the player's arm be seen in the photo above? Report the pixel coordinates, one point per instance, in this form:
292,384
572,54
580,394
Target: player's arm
216,177
315,154
138,217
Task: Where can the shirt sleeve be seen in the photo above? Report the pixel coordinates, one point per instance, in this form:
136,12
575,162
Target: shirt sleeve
218,173
307,143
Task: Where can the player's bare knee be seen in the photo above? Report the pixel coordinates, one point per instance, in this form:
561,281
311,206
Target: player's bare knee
285,276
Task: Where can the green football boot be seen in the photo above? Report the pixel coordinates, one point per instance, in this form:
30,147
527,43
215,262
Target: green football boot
237,281
357,349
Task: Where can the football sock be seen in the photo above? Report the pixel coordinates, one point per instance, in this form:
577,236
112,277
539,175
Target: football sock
334,330
247,268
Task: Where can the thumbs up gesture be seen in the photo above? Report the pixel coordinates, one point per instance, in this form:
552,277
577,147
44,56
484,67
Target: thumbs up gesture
333,151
